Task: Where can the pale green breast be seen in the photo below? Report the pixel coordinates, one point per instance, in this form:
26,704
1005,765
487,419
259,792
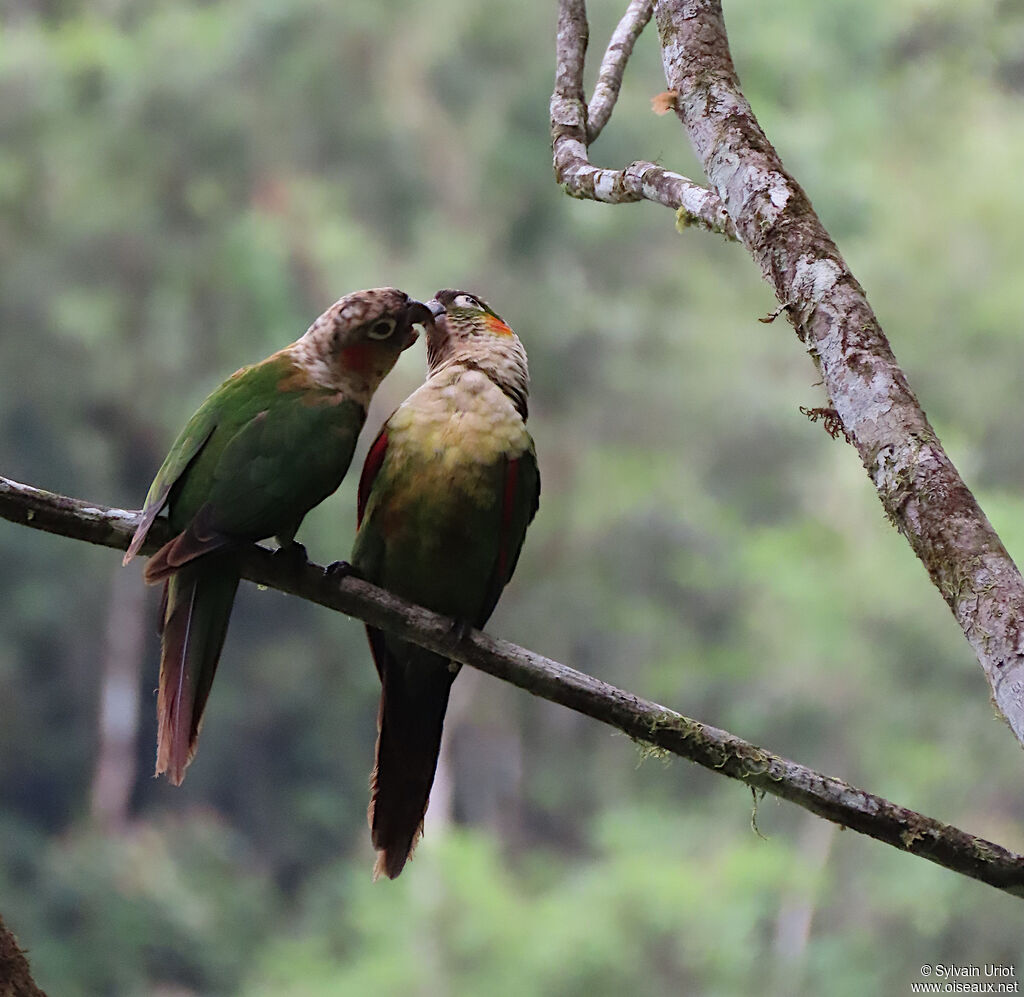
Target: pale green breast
459,419
433,520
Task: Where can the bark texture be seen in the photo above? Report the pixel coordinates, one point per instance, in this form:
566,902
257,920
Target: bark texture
15,975
644,721
768,211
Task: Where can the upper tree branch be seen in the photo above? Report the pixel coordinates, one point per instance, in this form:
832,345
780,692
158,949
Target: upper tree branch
919,487
643,720
641,180
609,78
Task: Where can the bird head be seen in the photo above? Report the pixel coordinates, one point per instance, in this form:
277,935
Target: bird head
467,330
463,320
383,316
356,342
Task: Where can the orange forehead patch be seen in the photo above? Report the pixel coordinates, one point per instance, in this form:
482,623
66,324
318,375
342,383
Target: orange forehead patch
496,326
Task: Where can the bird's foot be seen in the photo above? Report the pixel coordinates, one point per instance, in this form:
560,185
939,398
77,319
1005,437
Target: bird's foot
460,630
291,556
337,570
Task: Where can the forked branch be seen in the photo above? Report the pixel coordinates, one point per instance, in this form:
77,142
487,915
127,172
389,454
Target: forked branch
920,489
695,205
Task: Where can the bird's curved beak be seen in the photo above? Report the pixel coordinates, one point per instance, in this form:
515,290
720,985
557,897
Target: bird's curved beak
420,313
417,313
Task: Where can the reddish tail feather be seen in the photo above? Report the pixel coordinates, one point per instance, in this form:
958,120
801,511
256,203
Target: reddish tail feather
197,607
198,539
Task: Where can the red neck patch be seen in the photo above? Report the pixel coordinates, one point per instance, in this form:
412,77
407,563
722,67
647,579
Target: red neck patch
360,357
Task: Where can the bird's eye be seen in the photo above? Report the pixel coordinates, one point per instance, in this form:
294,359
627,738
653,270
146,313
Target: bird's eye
381,329
467,301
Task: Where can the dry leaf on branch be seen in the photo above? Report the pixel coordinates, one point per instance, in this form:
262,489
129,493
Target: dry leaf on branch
664,102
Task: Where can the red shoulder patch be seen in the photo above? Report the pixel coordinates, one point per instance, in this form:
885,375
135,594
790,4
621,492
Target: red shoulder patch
371,467
507,504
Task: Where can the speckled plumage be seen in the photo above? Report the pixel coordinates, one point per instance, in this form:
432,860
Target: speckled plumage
446,496
270,443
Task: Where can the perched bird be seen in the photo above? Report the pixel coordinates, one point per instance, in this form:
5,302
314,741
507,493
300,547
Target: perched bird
271,442
447,492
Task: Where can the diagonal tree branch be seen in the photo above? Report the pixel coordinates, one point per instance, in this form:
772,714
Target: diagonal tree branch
920,489
641,719
694,205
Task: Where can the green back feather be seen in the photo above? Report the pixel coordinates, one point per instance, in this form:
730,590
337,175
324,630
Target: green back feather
260,456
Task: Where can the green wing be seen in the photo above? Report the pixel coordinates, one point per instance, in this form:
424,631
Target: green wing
254,459
285,460
186,448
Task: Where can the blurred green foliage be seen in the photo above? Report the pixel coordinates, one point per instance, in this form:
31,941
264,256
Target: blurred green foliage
185,185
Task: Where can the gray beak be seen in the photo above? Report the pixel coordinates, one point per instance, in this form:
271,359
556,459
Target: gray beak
418,313
436,308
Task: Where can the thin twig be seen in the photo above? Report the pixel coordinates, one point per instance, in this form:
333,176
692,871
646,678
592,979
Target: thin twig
715,749
694,204
609,78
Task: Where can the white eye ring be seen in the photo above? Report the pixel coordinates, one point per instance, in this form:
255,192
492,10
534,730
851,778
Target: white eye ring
381,329
466,301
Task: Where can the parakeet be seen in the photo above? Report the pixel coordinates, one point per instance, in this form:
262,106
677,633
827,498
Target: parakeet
446,494
271,442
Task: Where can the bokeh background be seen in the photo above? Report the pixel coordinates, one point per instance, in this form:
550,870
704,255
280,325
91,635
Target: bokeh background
184,185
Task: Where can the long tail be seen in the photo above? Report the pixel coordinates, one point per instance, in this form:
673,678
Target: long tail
197,606
414,696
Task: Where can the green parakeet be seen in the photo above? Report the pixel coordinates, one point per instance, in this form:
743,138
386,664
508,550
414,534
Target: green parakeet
271,442
445,497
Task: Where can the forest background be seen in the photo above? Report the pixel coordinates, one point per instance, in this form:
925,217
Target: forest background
185,185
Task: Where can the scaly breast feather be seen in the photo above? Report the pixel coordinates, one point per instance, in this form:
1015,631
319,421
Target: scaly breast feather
453,430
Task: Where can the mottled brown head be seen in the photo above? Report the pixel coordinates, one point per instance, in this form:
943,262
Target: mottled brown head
356,342
470,333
